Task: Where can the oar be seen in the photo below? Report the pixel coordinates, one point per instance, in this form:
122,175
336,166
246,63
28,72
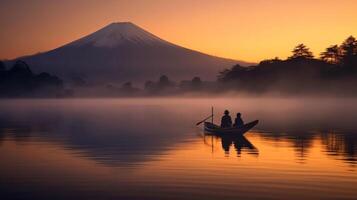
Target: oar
203,120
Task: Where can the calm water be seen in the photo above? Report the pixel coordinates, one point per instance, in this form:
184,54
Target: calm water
150,149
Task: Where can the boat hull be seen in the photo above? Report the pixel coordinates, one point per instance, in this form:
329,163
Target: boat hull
214,129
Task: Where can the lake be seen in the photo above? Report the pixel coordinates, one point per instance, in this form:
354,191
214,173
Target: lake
151,149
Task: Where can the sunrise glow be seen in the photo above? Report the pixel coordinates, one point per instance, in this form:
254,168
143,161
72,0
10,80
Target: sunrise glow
242,30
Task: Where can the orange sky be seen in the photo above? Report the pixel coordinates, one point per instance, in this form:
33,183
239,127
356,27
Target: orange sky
239,29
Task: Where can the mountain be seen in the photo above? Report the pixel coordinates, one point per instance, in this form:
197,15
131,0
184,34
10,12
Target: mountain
123,52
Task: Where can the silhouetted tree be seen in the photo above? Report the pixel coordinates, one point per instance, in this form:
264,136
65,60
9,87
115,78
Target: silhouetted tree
127,88
2,66
301,51
196,82
110,86
230,74
270,61
222,75
164,82
45,80
300,73
20,77
20,81
21,68
349,52
332,55
127,85
149,85
78,81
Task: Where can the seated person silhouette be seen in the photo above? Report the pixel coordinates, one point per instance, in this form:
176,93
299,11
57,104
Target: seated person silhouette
238,122
226,121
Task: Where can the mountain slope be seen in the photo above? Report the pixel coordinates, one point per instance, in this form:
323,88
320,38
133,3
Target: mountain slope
124,52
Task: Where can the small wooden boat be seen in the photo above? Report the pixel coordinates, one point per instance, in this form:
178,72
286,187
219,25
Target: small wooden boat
214,129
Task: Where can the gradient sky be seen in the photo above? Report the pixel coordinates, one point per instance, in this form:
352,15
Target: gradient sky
239,29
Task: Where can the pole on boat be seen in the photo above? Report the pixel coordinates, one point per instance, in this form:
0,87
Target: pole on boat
212,123
212,114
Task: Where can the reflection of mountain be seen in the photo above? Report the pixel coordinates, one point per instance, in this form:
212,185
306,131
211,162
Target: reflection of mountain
114,138
126,133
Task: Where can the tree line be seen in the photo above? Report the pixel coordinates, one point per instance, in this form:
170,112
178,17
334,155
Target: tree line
334,71
20,81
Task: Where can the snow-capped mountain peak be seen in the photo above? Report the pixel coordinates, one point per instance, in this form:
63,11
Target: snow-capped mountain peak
116,34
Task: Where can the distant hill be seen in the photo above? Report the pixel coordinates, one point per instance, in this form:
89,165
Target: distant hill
123,52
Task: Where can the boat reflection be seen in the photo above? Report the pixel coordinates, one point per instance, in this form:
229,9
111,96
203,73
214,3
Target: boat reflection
239,142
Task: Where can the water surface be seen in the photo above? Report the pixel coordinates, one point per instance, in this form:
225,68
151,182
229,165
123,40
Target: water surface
151,149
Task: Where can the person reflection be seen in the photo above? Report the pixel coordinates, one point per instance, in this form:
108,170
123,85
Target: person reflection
240,143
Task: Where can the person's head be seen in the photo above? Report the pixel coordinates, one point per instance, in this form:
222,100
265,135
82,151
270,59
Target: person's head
238,114
226,112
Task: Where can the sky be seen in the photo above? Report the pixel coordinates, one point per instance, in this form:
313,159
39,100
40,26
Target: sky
239,29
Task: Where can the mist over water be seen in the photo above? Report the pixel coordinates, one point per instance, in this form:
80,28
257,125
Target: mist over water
150,148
